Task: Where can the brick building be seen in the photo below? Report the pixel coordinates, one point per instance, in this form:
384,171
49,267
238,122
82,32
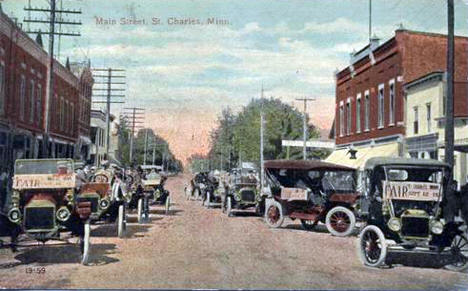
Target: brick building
370,95
23,89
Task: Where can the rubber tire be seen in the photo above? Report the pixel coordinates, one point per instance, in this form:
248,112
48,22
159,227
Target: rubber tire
306,226
207,201
383,254
352,219
461,268
121,223
140,210
280,220
85,244
168,204
229,206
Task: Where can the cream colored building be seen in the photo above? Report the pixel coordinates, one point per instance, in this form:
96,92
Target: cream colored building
425,124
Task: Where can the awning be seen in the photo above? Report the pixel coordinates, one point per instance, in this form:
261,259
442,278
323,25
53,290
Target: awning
342,157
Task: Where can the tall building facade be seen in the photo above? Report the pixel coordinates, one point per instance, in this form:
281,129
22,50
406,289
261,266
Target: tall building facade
370,92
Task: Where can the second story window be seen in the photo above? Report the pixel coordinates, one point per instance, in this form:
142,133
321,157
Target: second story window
341,120
22,93
428,117
391,120
39,104
367,110
32,101
358,113
381,109
348,117
416,120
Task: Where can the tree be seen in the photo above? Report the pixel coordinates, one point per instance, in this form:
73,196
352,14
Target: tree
162,153
237,137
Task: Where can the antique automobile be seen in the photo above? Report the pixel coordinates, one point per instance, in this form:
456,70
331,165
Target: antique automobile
107,193
403,206
153,188
197,185
44,202
242,192
312,191
215,187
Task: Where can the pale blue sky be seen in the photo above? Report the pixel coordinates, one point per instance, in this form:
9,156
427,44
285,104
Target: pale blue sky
292,46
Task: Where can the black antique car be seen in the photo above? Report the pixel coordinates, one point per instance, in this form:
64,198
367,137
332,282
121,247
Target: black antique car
107,193
312,191
152,183
197,185
403,206
215,188
242,192
44,202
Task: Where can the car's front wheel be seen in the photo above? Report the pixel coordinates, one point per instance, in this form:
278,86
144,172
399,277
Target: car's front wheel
229,206
274,216
372,246
459,249
85,243
122,222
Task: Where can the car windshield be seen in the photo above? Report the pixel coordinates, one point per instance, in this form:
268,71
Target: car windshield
415,174
32,167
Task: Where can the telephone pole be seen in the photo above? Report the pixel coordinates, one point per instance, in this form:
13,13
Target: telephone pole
304,124
262,124
52,21
449,122
135,118
107,84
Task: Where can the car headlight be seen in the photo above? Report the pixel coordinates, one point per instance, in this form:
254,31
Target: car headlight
63,214
104,203
14,215
394,224
437,227
237,197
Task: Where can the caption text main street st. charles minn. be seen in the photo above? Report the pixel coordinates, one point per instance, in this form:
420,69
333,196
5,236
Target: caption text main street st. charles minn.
161,21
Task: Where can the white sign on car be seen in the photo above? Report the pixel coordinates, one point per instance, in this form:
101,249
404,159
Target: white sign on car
421,191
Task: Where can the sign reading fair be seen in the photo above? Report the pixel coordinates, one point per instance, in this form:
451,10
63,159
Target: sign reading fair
411,191
44,181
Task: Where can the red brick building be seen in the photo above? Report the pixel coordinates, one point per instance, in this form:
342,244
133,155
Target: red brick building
370,97
23,84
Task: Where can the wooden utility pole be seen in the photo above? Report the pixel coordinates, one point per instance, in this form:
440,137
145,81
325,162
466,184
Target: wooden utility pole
262,125
52,21
304,125
370,20
449,120
135,118
105,83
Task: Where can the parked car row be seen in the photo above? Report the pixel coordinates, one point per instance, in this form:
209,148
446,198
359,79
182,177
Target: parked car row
51,197
401,209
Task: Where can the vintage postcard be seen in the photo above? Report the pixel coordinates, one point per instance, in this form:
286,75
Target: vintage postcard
234,144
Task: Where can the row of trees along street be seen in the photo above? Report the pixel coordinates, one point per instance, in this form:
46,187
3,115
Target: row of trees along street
237,136
154,144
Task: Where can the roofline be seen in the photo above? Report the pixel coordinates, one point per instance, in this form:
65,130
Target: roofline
436,75
433,34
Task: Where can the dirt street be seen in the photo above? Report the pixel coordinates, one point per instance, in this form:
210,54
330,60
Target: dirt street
197,247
